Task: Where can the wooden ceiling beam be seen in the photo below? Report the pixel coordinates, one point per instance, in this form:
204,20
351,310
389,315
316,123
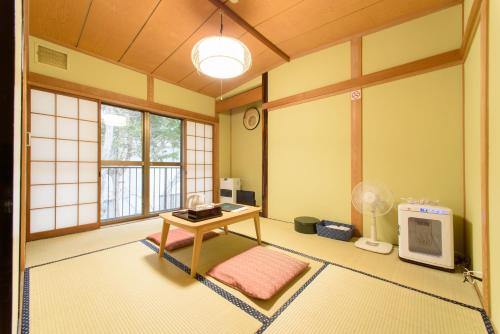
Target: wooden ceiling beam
439,61
251,30
239,100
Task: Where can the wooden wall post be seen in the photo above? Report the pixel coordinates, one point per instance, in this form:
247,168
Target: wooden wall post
356,132
264,146
484,151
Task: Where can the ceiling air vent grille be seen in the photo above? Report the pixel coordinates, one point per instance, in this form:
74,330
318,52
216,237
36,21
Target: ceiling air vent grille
52,57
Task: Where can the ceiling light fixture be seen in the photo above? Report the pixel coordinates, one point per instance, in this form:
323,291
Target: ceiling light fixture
221,57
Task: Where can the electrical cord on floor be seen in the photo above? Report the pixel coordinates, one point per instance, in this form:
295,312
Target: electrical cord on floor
471,276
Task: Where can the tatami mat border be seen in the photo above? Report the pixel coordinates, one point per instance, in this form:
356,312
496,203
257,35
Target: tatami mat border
266,321
25,316
487,323
223,293
289,301
86,253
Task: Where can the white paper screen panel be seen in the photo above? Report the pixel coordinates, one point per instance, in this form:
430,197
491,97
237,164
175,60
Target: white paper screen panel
67,128
63,161
199,144
43,126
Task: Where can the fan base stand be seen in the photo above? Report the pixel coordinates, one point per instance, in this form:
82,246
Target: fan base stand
373,246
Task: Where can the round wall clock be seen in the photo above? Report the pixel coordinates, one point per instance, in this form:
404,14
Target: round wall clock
251,118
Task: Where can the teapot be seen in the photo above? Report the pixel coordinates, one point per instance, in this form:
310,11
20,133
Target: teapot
194,200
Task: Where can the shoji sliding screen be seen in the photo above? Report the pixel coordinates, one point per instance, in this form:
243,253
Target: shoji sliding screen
199,161
63,166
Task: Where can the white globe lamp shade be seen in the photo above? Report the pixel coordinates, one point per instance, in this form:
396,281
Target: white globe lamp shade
221,57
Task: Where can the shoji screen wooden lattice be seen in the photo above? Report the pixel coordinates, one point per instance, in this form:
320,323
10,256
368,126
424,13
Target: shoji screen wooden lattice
199,144
63,162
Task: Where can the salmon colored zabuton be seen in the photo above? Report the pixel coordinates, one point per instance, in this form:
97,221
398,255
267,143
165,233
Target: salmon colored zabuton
178,238
258,272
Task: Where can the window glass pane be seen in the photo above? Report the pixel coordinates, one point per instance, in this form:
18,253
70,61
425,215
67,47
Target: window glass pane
164,188
121,134
121,191
165,139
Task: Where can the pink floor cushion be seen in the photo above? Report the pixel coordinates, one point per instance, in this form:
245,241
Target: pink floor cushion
179,238
258,272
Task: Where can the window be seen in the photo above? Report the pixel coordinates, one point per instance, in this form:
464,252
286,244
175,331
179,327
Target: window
141,163
165,171
121,156
199,159
63,161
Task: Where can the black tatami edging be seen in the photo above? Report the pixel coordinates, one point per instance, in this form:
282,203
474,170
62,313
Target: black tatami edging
487,322
245,307
86,253
265,320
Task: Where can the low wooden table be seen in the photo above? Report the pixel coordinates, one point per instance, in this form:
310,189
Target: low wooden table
200,228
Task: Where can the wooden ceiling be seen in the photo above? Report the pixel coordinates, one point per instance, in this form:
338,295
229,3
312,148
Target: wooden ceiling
156,36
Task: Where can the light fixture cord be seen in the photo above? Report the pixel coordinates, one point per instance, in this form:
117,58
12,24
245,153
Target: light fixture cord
221,24
221,28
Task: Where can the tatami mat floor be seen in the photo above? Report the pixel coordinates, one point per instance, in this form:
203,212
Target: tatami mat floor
120,286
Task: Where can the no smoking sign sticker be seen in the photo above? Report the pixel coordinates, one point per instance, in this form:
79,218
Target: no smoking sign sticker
356,95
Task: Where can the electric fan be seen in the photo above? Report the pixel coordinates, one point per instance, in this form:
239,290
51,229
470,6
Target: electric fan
373,199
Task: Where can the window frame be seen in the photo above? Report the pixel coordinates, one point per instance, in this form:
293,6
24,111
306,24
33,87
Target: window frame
146,165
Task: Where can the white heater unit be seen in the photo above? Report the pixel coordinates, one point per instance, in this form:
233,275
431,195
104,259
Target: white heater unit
228,188
426,235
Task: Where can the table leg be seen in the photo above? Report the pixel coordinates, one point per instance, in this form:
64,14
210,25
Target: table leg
256,221
225,230
164,235
198,238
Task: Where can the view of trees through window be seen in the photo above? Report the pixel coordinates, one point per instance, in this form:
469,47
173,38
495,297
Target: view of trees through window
121,134
124,169
165,140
